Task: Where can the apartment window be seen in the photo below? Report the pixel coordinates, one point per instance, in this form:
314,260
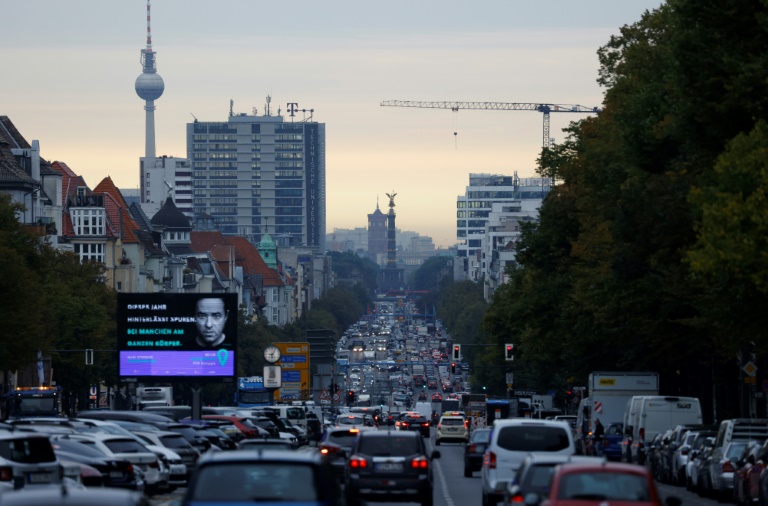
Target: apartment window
90,252
119,286
275,295
88,221
275,315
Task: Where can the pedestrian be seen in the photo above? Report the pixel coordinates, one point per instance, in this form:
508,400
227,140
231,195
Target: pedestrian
599,435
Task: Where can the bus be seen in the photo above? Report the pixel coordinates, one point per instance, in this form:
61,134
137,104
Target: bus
251,393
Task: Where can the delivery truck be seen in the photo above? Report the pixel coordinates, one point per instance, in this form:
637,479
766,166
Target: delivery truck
606,398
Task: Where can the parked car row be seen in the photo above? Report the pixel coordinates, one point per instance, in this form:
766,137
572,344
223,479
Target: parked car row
726,462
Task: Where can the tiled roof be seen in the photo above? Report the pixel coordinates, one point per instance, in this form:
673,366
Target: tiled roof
252,262
246,254
69,181
139,216
11,173
117,210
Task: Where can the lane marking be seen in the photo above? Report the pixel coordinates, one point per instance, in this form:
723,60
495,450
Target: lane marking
443,482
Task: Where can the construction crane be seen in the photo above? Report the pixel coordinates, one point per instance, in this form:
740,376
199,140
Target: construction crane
545,109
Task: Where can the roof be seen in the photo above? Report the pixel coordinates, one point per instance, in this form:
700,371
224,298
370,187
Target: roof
117,210
169,216
10,170
257,455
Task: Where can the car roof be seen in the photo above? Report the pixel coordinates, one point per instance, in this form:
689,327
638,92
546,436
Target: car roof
603,466
545,458
259,455
389,433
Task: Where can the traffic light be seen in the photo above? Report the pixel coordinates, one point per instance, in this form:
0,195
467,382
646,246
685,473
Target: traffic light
453,367
350,397
509,352
456,351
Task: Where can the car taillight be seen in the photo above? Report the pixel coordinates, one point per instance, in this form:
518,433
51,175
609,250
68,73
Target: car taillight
489,460
154,464
472,448
6,473
358,462
466,424
516,499
641,433
129,468
404,424
420,463
727,466
325,449
684,452
426,424
439,425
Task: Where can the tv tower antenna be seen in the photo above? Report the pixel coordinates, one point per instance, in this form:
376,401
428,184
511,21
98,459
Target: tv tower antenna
149,87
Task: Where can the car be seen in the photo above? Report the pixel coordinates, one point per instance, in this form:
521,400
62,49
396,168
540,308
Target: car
114,473
416,423
350,420
452,428
474,450
702,440
535,474
266,477
67,496
511,440
746,474
26,460
436,397
176,442
335,447
720,470
265,444
614,435
389,466
601,483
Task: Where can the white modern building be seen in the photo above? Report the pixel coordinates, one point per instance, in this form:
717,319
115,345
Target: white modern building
473,212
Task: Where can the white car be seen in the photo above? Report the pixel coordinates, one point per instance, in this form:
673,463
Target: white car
126,448
452,428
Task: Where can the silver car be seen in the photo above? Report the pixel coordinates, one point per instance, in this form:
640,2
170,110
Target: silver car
27,459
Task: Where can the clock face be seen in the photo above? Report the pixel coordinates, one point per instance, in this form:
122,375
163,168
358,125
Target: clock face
272,354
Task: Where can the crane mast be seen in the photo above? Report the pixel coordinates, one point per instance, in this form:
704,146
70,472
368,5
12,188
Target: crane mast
543,108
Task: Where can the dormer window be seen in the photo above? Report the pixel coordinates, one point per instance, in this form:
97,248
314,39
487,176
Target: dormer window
88,221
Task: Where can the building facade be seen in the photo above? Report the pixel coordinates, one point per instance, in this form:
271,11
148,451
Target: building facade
473,211
255,174
377,234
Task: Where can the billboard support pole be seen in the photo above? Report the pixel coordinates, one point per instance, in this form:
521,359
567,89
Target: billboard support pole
197,404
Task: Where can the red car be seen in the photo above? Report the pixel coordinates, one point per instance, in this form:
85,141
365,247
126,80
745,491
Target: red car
604,483
436,397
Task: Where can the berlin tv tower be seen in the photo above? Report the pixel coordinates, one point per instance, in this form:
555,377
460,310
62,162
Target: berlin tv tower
149,87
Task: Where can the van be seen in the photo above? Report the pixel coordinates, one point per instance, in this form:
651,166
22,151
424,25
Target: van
511,440
296,414
629,421
657,413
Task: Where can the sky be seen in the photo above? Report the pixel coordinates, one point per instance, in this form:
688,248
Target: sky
70,67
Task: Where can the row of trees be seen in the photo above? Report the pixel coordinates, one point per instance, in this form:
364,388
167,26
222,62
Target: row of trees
651,252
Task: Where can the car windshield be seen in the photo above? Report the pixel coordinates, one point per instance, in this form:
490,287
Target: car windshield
256,482
125,446
342,437
533,438
390,446
603,486
481,436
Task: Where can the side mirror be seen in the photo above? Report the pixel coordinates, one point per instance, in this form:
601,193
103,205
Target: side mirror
435,454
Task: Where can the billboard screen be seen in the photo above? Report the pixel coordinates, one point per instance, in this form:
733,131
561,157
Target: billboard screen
176,335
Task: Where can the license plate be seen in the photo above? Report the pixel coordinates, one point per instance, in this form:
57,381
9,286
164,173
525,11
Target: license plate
115,474
389,467
39,477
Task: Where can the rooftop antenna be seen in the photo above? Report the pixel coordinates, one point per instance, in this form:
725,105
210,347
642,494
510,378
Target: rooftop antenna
267,107
231,105
194,117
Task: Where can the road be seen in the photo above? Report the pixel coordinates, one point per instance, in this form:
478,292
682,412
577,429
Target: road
451,488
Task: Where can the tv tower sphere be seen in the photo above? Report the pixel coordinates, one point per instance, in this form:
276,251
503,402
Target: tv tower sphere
149,86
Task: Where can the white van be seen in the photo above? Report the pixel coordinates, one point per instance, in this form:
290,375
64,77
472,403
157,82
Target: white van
424,409
633,404
658,413
296,414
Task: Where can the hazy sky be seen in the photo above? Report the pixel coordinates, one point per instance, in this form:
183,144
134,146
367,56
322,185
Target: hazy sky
69,71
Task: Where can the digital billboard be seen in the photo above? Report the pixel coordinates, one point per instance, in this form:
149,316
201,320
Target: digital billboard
176,335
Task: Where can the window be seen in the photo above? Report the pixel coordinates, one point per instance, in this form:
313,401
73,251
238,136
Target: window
90,252
533,439
275,295
88,221
275,315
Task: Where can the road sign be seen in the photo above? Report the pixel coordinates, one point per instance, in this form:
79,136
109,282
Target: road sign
336,397
325,396
272,376
510,379
750,369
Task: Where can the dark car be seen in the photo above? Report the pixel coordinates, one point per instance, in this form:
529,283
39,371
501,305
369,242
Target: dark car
614,435
473,452
535,474
419,424
114,473
262,477
336,446
390,466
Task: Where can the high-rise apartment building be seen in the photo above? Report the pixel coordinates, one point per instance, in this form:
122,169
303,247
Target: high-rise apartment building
474,207
260,174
